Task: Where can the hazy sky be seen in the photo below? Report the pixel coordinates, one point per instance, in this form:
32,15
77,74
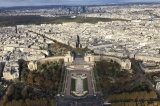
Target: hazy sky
63,2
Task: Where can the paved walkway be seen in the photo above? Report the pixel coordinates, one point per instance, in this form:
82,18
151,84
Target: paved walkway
79,61
90,90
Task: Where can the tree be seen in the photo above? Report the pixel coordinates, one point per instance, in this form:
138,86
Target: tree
1,102
40,67
24,92
45,102
145,103
56,83
27,101
49,83
153,95
39,80
10,90
30,78
5,99
146,96
53,102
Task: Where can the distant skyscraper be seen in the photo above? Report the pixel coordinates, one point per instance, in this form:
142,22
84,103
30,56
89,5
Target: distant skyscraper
16,29
72,8
83,9
69,10
77,10
86,9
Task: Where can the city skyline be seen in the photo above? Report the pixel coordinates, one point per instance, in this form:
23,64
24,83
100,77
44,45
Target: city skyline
9,3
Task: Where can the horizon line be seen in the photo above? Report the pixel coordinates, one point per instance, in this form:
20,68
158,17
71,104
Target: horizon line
81,4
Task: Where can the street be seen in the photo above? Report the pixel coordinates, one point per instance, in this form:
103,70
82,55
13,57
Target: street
88,101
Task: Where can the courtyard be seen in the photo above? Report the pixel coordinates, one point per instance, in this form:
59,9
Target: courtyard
79,83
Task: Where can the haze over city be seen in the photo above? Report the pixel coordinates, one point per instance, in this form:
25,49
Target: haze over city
8,3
